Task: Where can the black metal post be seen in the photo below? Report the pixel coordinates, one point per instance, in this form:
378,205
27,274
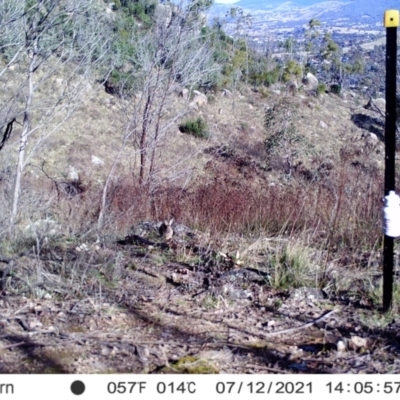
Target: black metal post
390,146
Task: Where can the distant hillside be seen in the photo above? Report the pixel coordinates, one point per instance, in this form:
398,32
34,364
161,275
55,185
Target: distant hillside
302,10
371,9
272,4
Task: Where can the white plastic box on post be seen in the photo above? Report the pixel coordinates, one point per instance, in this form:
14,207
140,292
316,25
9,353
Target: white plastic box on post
391,215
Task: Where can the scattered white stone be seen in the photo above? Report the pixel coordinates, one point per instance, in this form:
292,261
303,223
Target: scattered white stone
193,105
163,14
35,324
200,99
184,93
373,137
73,174
295,352
82,247
357,342
323,125
43,227
97,161
341,347
378,105
310,81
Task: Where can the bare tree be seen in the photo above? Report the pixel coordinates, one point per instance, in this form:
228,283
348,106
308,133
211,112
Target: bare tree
59,43
174,55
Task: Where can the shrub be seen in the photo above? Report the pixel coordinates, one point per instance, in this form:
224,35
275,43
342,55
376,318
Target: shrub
119,82
211,99
291,70
336,88
196,127
266,78
321,88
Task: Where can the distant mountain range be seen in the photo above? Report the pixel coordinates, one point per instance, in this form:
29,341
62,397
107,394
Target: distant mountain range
371,11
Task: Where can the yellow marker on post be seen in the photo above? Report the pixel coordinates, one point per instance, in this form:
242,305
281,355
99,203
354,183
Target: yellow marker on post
391,22
391,18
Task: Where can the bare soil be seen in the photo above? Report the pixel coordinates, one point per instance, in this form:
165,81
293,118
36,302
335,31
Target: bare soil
178,307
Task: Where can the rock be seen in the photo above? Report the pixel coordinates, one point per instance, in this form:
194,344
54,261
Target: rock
378,105
82,247
163,14
184,93
357,342
307,293
193,105
43,228
341,346
199,98
369,137
73,174
145,228
373,137
182,231
33,325
310,81
323,125
97,161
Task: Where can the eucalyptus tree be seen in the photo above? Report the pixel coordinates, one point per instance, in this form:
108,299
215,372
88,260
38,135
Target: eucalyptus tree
49,51
175,54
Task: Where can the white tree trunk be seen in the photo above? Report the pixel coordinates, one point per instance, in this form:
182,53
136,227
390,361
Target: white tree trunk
23,140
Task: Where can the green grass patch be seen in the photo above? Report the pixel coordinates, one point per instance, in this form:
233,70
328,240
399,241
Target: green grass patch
195,127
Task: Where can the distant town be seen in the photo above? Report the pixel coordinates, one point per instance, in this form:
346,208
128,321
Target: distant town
359,37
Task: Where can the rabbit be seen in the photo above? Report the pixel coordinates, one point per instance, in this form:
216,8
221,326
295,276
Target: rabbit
166,229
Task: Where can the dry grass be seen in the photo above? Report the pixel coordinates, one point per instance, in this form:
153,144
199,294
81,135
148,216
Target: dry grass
330,201
232,204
